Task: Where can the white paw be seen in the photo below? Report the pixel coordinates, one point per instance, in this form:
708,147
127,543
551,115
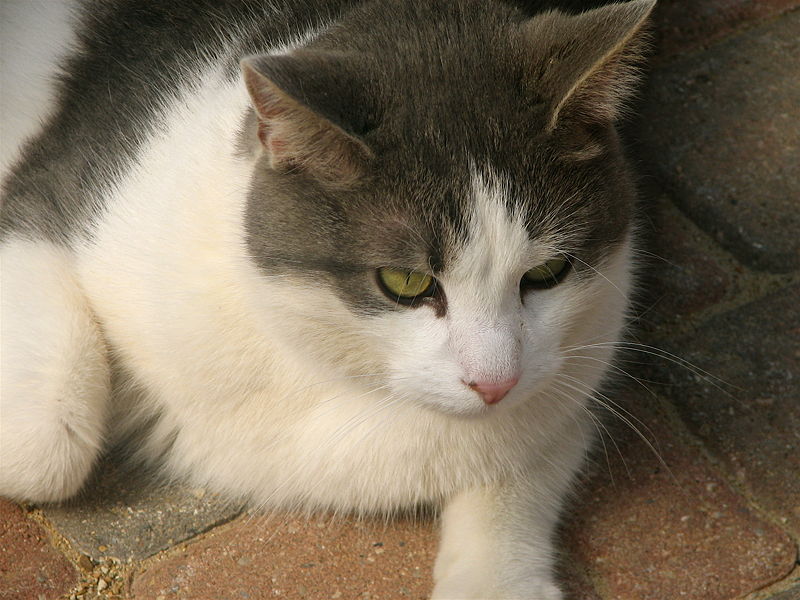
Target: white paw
55,378
471,587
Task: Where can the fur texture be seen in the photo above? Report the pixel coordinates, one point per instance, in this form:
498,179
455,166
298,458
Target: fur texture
212,248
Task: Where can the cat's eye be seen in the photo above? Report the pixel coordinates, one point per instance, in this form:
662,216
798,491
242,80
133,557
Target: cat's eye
546,275
405,286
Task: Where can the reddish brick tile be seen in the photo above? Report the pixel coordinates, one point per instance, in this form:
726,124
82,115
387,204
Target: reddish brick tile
259,558
681,26
30,568
646,531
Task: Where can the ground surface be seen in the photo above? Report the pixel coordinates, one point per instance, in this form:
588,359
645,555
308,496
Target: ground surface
719,519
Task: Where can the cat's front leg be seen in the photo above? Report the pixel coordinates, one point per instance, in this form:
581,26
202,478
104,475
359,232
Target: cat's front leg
54,375
496,544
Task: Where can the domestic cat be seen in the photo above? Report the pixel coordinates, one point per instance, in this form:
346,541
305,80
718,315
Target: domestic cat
328,255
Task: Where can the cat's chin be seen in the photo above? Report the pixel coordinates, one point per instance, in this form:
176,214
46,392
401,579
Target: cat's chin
469,409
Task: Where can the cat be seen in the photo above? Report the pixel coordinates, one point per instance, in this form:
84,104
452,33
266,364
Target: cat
331,256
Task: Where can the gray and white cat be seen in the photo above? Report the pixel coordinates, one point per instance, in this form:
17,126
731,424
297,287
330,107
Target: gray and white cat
323,256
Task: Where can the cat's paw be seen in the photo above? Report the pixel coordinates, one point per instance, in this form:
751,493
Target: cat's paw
472,587
55,377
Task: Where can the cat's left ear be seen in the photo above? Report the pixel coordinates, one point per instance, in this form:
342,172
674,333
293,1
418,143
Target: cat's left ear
308,116
586,65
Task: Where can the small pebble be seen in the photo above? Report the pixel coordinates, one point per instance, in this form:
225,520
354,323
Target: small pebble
101,585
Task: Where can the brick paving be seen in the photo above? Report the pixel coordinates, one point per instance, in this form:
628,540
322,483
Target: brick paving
719,125
30,567
674,530
296,558
682,27
752,425
719,519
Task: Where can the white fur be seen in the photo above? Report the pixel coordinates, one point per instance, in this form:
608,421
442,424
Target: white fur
54,376
276,392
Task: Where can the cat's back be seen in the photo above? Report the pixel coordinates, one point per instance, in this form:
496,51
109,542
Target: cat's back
94,87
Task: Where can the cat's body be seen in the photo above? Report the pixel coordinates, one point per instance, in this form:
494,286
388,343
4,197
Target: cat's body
222,266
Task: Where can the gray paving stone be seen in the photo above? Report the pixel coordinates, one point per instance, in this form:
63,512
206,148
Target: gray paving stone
721,129
751,423
684,272
123,514
680,28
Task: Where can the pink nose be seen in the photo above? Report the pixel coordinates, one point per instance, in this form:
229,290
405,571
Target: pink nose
493,391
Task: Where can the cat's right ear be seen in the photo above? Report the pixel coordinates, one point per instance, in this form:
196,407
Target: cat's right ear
306,117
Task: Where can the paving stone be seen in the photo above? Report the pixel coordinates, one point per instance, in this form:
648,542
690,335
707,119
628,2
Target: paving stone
683,274
790,594
680,28
289,557
575,581
787,589
123,514
655,532
721,129
30,568
752,424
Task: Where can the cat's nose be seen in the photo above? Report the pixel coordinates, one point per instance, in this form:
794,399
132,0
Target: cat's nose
493,391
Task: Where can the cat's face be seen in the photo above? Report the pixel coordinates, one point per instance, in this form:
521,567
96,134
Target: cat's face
462,226
508,303
497,281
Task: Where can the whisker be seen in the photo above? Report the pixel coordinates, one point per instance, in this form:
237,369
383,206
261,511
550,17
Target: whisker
593,396
661,353
624,412
599,426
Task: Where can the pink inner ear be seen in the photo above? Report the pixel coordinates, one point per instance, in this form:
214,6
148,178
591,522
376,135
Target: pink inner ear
263,132
266,135
296,137
276,147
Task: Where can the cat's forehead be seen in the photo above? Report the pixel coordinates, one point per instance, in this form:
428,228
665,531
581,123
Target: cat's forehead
530,212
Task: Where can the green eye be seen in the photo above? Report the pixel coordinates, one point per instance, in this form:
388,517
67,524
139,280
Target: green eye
406,286
547,274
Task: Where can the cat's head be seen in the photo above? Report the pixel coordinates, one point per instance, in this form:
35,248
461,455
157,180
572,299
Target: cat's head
441,187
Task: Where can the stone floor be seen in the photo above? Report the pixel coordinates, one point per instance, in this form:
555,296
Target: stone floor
704,506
